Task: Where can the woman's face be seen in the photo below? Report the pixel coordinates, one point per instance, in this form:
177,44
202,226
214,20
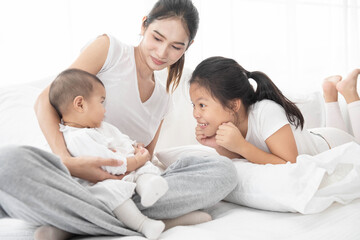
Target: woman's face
164,42
208,112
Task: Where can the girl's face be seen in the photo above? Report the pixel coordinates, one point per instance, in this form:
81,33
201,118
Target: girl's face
164,42
208,112
95,111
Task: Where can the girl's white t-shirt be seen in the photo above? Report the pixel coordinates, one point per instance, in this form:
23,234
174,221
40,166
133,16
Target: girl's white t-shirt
124,109
266,117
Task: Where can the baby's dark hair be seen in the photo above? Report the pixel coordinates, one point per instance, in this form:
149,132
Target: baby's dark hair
226,80
68,85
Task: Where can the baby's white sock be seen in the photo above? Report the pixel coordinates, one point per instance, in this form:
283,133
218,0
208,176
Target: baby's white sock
131,216
150,187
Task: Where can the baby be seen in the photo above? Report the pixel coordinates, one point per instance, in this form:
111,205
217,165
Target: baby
78,97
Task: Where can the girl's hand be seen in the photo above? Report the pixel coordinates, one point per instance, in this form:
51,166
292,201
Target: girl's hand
89,168
204,140
229,137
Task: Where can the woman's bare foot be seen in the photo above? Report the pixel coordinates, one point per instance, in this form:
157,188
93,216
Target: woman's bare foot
329,88
347,87
50,232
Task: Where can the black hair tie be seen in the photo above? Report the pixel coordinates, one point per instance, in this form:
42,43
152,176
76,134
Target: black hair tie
248,74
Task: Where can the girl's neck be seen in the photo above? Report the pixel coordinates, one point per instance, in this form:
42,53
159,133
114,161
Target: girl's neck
242,122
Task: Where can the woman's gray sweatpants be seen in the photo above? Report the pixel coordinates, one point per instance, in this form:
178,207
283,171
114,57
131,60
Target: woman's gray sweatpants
35,186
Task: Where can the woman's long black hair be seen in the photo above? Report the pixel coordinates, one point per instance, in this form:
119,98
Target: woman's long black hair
226,80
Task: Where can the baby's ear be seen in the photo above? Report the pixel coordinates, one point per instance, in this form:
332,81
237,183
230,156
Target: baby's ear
79,103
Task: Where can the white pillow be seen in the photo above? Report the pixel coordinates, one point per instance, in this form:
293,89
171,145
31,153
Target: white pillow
18,122
169,155
312,107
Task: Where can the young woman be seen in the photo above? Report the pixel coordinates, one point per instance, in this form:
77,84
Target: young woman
136,104
260,125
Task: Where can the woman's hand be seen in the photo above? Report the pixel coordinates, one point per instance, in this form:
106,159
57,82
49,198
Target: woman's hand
89,168
229,137
204,140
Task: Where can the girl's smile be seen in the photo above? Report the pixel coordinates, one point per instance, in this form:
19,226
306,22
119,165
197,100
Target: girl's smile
208,112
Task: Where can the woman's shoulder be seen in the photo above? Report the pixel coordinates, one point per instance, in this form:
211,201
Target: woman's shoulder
118,53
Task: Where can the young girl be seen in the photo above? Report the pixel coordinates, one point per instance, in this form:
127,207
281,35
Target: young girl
260,125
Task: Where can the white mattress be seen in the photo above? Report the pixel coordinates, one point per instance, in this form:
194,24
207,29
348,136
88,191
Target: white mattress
236,222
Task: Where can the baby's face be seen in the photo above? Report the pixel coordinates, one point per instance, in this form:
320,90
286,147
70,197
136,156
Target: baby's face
95,106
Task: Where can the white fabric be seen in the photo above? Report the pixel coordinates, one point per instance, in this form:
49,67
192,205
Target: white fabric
124,108
99,142
265,118
354,115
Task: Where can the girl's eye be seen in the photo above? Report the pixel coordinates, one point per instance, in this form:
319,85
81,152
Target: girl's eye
202,105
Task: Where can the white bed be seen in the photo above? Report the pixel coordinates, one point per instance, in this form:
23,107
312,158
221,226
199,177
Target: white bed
231,221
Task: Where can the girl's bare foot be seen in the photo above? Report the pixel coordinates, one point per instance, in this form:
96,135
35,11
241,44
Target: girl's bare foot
329,88
347,87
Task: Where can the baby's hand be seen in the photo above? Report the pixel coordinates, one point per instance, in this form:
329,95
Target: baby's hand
138,147
142,155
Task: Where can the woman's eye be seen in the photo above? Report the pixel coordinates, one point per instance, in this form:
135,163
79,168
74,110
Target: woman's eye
176,48
157,39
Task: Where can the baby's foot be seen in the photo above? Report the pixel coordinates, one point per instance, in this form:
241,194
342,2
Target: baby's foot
329,88
347,87
152,228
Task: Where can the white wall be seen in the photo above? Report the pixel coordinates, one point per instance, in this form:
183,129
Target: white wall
296,42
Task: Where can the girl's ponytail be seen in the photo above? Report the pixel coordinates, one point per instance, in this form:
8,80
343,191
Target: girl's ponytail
266,89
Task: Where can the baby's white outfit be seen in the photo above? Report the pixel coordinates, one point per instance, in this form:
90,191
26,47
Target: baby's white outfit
99,142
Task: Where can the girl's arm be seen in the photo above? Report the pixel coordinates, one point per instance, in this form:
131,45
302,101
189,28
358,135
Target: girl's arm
91,59
281,144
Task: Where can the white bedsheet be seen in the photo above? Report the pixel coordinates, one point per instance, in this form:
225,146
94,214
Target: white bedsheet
236,222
